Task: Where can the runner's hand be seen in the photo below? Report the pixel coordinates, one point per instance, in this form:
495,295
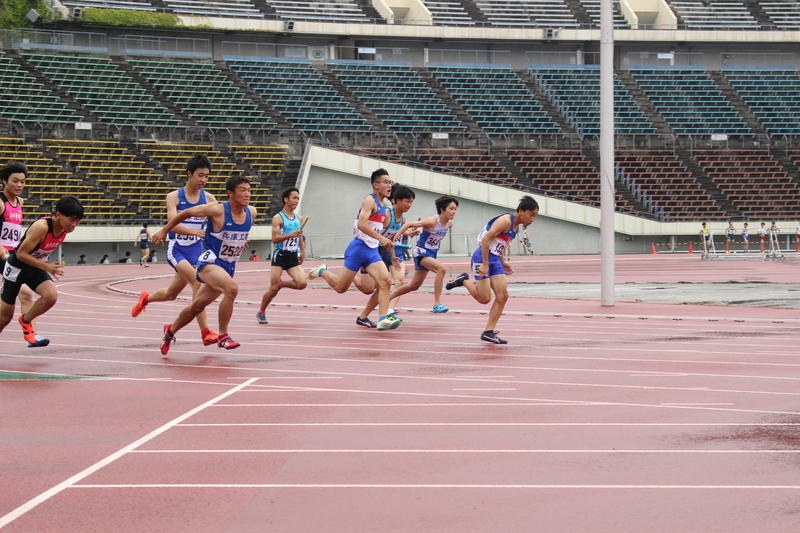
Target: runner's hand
159,237
54,269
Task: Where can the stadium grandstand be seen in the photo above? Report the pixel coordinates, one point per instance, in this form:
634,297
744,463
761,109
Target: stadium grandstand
501,92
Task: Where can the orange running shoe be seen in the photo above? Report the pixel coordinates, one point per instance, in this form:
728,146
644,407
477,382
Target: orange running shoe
169,338
141,304
27,331
209,337
226,342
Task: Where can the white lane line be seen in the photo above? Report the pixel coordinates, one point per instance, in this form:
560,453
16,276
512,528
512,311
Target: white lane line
481,424
437,404
418,486
481,377
49,493
475,451
696,403
282,377
489,389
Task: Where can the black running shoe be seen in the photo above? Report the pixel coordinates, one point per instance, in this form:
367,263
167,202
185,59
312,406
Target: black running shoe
366,322
458,281
491,336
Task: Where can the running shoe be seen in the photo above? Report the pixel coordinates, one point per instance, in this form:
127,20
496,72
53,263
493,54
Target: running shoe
458,281
226,342
141,304
262,318
209,337
439,308
388,322
491,336
27,331
366,322
40,342
317,272
168,339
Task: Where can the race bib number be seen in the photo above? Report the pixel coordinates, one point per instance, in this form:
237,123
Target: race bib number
418,252
433,241
208,257
292,244
498,248
10,233
10,272
230,252
476,270
186,239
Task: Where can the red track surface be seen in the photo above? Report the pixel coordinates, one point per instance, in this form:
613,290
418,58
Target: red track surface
656,420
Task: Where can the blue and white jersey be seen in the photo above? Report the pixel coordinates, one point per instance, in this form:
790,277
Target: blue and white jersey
431,241
375,221
191,222
224,247
290,225
499,243
391,231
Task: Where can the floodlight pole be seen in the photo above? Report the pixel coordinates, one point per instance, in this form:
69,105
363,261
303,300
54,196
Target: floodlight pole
606,154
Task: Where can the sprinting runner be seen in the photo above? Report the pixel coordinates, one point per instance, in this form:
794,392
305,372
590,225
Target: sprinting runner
490,267
143,243
434,230
27,265
13,178
288,253
402,198
185,244
362,252
226,235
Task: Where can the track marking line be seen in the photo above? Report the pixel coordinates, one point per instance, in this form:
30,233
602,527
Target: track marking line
474,388
469,451
696,403
46,495
419,486
488,424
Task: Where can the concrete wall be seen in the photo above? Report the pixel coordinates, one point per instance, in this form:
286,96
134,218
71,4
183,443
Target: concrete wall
333,184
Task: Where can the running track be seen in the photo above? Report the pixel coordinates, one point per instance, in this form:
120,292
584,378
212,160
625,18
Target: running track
640,417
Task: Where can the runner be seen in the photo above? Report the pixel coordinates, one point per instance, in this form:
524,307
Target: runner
13,178
434,230
27,265
746,238
228,228
730,235
289,251
185,245
402,198
489,266
143,243
362,251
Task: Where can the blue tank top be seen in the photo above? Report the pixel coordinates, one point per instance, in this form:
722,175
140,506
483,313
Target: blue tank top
290,225
432,240
228,243
191,222
498,244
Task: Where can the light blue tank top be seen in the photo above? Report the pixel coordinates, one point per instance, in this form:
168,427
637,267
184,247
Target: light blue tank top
290,225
